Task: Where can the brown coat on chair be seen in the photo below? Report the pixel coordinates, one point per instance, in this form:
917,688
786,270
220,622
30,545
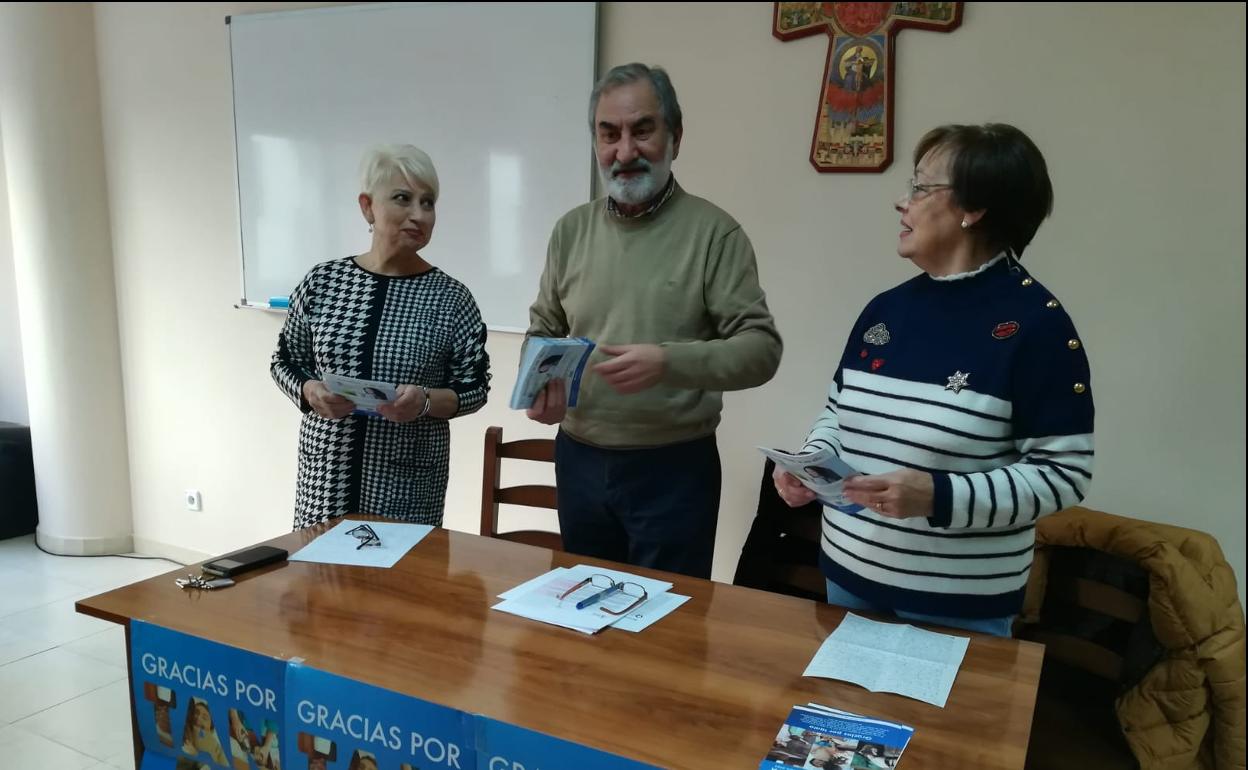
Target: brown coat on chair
1186,710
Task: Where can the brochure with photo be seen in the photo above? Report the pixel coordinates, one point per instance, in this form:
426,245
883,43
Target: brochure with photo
821,472
816,736
546,359
367,395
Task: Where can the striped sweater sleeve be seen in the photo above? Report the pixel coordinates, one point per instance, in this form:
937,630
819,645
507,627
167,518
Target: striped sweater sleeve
825,433
1052,427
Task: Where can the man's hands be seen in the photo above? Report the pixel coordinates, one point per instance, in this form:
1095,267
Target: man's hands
632,368
551,404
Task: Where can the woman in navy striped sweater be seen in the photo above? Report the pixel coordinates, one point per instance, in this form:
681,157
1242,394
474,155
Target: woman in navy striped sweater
963,394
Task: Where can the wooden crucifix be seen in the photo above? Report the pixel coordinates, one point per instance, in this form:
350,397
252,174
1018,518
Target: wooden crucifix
854,126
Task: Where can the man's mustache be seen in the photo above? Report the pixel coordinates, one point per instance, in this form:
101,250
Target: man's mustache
641,164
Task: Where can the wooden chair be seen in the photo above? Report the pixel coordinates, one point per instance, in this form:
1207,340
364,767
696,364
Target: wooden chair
1091,630
781,553
1144,639
532,495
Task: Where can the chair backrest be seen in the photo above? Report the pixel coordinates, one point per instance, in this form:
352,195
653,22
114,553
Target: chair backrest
781,553
532,495
1093,620
1089,607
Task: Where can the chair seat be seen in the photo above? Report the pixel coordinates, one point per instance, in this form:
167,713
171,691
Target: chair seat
1067,735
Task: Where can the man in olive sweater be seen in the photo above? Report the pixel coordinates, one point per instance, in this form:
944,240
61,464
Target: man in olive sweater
666,284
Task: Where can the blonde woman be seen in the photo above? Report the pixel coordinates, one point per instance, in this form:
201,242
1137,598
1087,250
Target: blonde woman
391,316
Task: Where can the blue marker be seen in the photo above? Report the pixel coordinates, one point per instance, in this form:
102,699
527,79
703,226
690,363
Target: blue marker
604,593
279,302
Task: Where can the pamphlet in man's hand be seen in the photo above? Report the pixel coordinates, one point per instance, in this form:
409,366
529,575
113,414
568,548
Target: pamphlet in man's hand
367,395
546,359
822,472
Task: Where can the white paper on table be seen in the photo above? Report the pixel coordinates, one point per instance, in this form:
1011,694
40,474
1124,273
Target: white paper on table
528,585
891,657
538,599
337,547
512,609
651,611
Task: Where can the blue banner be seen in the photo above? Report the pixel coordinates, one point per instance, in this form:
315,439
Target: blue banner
154,761
202,704
501,746
341,724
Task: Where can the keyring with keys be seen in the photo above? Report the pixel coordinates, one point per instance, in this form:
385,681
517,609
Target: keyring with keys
202,583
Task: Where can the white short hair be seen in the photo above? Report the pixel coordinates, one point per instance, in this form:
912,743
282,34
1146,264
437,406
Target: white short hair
380,163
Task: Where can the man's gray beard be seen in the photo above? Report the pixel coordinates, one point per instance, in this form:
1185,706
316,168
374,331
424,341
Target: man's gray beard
633,191
639,189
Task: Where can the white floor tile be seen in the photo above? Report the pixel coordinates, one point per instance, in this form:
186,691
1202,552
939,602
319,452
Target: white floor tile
16,545
26,590
15,645
20,555
123,761
30,685
96,724
62,674
108,646
55,623
97,573
22,749
17,555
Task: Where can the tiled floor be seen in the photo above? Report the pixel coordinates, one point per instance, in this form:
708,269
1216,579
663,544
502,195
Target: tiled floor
63,696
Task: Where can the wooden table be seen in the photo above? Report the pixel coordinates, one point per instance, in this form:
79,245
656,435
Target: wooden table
706,687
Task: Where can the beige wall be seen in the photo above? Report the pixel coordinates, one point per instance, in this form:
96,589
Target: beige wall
1140,115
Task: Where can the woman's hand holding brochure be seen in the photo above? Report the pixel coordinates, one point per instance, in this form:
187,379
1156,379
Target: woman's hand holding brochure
822,474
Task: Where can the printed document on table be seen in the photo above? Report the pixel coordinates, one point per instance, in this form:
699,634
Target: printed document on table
891,657
538,599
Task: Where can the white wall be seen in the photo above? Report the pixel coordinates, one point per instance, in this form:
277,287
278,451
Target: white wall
12,381
1140,116
63,273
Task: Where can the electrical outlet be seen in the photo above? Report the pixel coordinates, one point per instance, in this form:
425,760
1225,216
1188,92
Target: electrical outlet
194,500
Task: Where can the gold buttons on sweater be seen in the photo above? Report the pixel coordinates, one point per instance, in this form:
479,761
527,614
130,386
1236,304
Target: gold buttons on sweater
1080,387
1051,303
1028,281
1073,344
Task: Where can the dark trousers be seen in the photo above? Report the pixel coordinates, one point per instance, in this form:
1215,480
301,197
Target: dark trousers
654,507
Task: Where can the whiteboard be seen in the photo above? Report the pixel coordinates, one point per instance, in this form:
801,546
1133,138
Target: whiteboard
496,93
